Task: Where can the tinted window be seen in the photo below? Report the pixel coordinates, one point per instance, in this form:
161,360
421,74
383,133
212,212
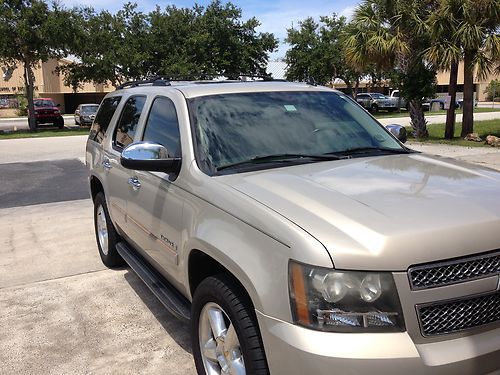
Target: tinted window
125,131
232,128
103,117
162,126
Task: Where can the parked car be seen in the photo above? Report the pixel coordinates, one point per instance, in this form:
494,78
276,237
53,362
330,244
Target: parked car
295,233
460,102
375,102
47,112
401,101
85,114
439,102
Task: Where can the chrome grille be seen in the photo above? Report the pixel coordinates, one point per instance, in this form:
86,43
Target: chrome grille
454,271
459,315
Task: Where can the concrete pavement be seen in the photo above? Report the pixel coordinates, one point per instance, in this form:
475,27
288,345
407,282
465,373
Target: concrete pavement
439,119
61,310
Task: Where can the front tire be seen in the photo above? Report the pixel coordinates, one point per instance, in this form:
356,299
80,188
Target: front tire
374,108
224,330
105,233
59,123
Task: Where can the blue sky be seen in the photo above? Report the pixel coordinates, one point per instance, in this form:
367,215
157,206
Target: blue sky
276,16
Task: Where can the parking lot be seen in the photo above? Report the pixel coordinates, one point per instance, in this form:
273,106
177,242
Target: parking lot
62,311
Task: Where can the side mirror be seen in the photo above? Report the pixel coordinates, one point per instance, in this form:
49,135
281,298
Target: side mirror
398,131
58,105
146,156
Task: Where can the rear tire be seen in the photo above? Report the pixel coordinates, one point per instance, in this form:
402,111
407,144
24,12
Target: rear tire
219,304
105,233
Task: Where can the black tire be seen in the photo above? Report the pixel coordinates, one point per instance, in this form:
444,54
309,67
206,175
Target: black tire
374,108
59,123
441,106
110,258
226,293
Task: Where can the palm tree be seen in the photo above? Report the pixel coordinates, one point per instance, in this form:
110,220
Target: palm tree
393,34
445,52
478,34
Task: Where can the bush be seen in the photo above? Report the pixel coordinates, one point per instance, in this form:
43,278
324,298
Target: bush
22,109
493,88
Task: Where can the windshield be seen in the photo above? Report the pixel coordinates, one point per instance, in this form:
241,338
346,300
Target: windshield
378,96
89,109
44,103
232,128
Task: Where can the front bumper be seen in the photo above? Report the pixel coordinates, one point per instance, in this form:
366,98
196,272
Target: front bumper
292,349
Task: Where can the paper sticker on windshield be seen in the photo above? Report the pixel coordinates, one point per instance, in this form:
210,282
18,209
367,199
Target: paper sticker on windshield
290,108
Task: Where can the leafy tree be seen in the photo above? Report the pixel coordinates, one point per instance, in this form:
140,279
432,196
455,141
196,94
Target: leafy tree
317,54
178,42
493,90
109,47
32,32
392,34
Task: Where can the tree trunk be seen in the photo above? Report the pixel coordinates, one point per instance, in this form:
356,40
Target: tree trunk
418,121
29,87
356,88
449,130
468,106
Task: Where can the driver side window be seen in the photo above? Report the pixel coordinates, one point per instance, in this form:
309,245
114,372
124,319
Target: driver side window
162,126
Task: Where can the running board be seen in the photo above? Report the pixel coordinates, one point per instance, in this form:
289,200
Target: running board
176,303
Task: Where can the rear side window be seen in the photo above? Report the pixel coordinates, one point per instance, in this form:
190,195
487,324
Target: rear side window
127,125
103,117
163,127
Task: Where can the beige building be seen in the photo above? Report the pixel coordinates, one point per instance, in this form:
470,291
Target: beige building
442,79
47,85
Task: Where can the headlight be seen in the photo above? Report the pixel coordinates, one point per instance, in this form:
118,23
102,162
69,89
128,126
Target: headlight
344,301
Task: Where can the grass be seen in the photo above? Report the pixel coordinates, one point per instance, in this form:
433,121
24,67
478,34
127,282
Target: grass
41,133
482,128
404,113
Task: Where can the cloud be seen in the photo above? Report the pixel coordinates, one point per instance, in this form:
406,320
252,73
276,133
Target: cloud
348,12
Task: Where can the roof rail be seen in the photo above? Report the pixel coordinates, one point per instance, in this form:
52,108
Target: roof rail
155,81
165,80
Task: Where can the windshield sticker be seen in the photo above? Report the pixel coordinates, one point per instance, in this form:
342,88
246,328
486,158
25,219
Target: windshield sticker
290,108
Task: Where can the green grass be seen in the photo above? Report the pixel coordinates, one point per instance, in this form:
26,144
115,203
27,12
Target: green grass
483,128
404,113
41,133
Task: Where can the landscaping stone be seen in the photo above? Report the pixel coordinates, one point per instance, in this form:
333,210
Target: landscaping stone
473,137
493,141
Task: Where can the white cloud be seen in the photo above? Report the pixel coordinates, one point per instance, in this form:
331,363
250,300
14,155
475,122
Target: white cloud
348,12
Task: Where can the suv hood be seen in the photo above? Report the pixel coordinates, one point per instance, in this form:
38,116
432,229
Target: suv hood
385,212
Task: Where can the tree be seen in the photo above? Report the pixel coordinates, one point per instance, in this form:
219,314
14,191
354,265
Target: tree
479,21
493,90
32,32
445,52
316,53
392,34
185,43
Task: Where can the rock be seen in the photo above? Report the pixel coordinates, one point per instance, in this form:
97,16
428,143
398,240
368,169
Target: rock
493,141
473,137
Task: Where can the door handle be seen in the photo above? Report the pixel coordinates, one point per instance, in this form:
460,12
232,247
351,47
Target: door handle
135,183
106,164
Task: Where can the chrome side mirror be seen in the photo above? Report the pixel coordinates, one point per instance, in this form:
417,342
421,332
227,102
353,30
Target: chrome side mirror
398,131
146,156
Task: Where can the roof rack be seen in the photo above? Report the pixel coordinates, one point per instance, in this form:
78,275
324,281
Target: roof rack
165,80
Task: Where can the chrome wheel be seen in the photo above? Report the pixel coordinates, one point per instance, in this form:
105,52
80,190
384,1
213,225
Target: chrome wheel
102,229
219,344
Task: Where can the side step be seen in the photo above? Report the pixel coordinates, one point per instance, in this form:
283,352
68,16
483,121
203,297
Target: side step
176,303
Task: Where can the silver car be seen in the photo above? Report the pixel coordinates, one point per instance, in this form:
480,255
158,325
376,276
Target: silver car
374,102
295,233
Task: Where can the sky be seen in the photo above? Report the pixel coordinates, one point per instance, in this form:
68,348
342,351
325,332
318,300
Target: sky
275,15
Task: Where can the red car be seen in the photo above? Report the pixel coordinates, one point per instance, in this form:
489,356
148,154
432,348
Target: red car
47,112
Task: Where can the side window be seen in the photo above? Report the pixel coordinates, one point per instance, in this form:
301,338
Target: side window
129,118
103,117
162,126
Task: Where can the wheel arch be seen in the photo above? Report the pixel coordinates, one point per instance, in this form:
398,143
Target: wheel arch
95,186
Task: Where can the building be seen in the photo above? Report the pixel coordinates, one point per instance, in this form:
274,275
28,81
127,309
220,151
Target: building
48,84
442,79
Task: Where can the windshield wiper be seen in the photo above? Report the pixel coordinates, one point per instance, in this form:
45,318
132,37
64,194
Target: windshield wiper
368,150
279,158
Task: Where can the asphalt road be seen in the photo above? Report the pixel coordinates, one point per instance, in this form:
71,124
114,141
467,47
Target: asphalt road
61,310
